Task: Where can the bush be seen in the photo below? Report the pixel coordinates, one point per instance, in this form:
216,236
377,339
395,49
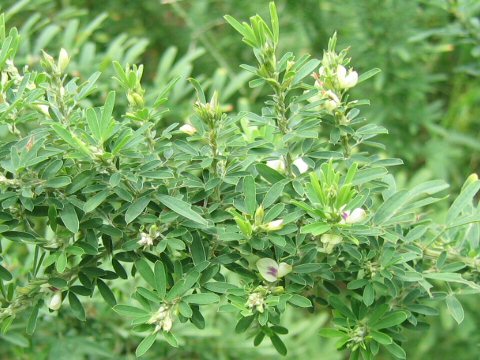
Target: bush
250,213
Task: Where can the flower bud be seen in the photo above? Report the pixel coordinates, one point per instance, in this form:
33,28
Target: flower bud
274,225
278,165
55,301
353,217
167,323
330,241
43,109
301,165
48,61
188,129
259,214
63,60
470,180
346,81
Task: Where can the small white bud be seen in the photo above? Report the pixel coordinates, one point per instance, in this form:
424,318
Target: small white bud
188,129
274,225
278,165
43,109
63,60
301,165
145,239
332,101
55,301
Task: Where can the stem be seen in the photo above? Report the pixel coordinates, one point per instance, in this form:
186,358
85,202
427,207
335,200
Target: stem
453,256
282,121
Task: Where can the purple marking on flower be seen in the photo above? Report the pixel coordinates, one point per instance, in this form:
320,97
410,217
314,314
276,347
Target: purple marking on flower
345,215
272,271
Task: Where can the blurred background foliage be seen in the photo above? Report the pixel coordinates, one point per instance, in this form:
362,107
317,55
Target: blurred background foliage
427,95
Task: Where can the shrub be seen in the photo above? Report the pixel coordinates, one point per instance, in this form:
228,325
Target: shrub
255,212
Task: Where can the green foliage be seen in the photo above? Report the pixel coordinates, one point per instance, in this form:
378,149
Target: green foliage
266,214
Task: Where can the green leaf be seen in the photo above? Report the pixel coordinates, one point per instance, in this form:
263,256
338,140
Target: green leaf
339,305
170,338
18,236
219,287
273,193
106,293
76,306
451,277
278,344
300,301
136,208
250,194
455,308
463,200
199,90
331,333
185,309
244,323
95,201
71,139
306,70
58,182
391,207
61,263
197,250
182,208
308,268
145,345
380,337
396,350
146,272
391,319
160,279
106,125
368,74
201,298
315,229
130,311
70,218
271,175
5,274
32,319
368,294
274,22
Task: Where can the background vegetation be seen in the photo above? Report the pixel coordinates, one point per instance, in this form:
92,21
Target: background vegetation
427,96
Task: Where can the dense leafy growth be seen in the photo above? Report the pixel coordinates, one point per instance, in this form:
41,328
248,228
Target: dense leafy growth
248,213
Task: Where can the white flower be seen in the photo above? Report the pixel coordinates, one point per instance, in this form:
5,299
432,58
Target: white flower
167,323
330,240
353,217
145,239
257,301
63,60
345,80
301,165
332,101
278,165
274,225
162,319
271,270
188,129
55,301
